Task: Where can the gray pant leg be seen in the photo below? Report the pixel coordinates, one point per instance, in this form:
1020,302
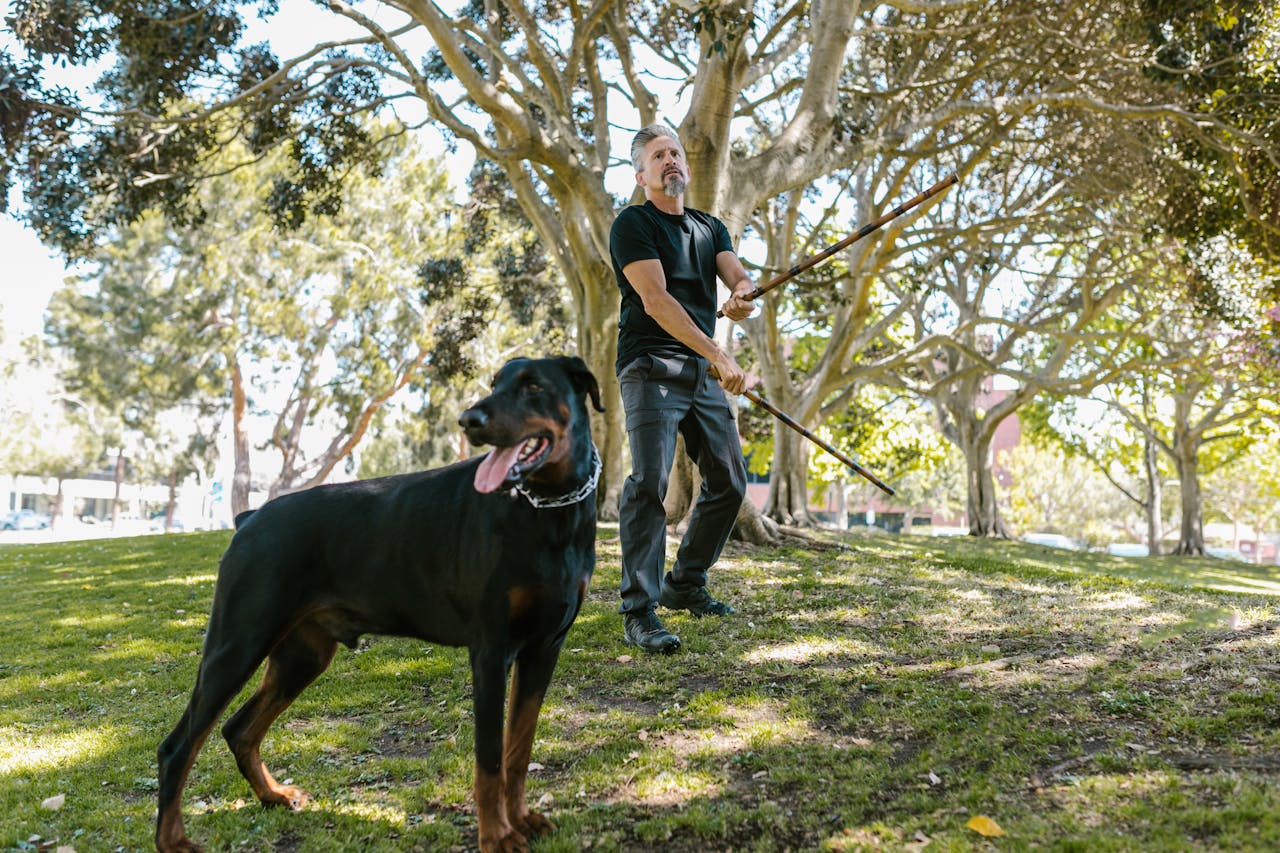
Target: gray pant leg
656,393
711,437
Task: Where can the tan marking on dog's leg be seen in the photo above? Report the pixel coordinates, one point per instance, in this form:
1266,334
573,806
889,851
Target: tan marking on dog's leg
517,750
291,667
496,833
171,832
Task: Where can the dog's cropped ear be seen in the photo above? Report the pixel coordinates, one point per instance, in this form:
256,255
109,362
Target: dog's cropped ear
582,378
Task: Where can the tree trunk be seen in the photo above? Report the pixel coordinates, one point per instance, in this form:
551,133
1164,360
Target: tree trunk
984,512
173,500
753,528
55,517
1191,536
1155,503
598,313
115,496
842,503
240,479
788,501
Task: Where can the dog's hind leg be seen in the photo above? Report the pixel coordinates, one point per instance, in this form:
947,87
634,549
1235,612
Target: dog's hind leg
529,680
295,662
223,671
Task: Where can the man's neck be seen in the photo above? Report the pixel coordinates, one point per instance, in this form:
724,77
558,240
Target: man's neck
667,204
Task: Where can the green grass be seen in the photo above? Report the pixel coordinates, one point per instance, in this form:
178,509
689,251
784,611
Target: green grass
876,693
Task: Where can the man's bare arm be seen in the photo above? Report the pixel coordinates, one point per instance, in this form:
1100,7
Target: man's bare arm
651,284
734,275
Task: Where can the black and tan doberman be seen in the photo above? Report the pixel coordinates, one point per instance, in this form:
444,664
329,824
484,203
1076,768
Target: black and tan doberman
494,554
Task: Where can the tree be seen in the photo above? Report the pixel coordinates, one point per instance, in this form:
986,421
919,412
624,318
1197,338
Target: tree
1041,145
506,262
50,434
322,327
1201,399
1020,311
1246,490
1221,59
1086,428
173,446
895,438
1058,493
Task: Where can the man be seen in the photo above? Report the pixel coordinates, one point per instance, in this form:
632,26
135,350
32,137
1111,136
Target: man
666,258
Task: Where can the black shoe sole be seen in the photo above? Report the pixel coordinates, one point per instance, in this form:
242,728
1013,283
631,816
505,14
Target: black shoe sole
697,614
665,649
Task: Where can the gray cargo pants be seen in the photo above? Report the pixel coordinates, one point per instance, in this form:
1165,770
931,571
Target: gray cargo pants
663,394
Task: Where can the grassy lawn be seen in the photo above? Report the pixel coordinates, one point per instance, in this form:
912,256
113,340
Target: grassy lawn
876,692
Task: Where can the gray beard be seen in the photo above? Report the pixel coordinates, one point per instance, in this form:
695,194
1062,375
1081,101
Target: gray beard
674,186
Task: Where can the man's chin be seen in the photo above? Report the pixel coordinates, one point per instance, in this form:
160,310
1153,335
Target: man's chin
674,187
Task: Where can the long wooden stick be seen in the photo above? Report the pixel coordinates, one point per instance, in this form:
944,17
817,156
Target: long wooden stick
795,425
800,428
851,239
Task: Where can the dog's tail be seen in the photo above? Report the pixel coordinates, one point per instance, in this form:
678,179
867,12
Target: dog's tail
241,518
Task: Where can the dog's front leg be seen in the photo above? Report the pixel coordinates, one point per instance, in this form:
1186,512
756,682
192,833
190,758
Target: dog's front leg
529,682
489,669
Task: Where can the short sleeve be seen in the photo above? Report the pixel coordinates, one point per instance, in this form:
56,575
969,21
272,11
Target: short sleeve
723,243
632,238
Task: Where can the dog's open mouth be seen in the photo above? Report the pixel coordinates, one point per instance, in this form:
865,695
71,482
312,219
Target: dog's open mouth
505,467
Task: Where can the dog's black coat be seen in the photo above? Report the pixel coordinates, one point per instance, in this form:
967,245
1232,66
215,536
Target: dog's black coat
421,555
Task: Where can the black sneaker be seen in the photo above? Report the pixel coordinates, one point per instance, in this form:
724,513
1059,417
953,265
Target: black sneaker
647,631
695,599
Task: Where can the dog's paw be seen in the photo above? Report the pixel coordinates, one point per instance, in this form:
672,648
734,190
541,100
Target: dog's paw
292,798
510,842
181,845
534,824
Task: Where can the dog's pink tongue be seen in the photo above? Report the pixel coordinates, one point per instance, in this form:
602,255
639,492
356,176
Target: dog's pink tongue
493,468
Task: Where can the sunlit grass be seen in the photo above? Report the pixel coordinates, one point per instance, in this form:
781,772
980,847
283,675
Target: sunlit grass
864,697
24,751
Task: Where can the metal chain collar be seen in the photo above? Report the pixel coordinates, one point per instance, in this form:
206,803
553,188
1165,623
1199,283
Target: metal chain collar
573,497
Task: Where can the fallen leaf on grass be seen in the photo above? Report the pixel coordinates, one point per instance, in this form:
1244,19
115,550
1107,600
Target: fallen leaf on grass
984,825
624,658
54,803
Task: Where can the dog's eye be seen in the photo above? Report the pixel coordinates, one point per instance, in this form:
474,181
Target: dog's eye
532,389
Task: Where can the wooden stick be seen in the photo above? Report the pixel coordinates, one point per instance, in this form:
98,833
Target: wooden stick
795,425
851,239
800,428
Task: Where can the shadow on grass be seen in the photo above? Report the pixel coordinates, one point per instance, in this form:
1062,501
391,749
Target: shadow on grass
861,698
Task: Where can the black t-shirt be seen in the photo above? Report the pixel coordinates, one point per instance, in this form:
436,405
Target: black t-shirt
687,246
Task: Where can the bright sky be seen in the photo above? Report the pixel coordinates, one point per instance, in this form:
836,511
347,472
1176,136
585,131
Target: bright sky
31,274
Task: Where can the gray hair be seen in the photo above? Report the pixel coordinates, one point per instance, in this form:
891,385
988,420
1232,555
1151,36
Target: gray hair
646,135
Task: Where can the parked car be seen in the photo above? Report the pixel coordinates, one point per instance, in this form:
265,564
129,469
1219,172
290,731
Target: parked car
25,519
157,524
1053,540
1128,549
